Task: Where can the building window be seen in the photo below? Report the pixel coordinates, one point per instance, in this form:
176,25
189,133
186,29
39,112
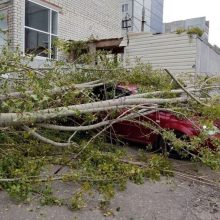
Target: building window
41,29
3,27
125,8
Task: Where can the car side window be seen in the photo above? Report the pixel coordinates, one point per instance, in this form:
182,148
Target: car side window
121,92
110,92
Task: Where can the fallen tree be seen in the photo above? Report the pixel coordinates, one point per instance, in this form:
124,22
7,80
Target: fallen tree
54,106
56,94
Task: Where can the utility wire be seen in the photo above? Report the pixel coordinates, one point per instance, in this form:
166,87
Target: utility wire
146,8
146,16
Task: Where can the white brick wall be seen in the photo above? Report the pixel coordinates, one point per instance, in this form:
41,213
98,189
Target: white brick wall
17,25
78,19
86,17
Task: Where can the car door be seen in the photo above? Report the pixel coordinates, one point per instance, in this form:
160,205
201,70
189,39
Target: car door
137,130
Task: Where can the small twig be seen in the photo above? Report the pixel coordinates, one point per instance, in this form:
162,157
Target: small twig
71,137
98,134
102,70
187,176
208,79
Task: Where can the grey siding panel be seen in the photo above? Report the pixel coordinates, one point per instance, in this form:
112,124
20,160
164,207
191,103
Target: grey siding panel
163,61
165,51
172,51
170,38
208,61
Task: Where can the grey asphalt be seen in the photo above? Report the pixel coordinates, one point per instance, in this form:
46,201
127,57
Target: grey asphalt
170,199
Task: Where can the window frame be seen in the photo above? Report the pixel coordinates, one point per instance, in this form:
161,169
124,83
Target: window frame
50,34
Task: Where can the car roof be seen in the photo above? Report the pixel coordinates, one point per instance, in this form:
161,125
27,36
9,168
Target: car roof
130,87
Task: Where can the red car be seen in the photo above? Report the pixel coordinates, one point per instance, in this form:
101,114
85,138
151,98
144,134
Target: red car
138,133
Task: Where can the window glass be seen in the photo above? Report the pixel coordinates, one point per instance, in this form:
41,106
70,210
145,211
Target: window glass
41,28
54,22
3,39
36,43
121,92
37,16
3,20
3,28
124,7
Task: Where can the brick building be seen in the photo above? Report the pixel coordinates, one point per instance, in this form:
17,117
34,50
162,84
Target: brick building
33,24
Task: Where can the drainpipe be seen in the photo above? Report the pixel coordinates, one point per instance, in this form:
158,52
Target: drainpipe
132,28
143,17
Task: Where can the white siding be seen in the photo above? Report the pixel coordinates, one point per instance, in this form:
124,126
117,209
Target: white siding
208,61
172,51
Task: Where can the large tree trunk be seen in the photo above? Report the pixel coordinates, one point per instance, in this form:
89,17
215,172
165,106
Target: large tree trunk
15,119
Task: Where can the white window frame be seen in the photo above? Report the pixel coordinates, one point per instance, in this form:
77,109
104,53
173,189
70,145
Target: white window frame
48,33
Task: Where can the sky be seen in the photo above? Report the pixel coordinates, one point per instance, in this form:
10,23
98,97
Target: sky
184,9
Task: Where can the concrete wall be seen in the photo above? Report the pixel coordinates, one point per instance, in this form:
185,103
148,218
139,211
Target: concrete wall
172,51
199,22
135,13
208,60
78,19
156,22
153,15
138,14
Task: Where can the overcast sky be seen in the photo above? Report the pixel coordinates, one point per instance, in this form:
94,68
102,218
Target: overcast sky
183,9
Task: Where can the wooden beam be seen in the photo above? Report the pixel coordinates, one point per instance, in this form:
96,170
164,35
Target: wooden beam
108,43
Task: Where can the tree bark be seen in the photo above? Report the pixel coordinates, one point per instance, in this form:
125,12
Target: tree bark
14,119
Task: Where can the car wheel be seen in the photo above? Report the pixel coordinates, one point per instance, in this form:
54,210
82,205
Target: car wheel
167,148
113,139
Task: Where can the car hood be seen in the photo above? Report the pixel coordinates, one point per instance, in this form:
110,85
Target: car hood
217,123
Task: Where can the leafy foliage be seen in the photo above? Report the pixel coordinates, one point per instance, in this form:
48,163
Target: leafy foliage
95,165
195,30
14,165
99,168
191,31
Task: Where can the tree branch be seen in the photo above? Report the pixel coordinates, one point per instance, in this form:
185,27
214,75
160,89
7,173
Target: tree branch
46,140
184,89
16,95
